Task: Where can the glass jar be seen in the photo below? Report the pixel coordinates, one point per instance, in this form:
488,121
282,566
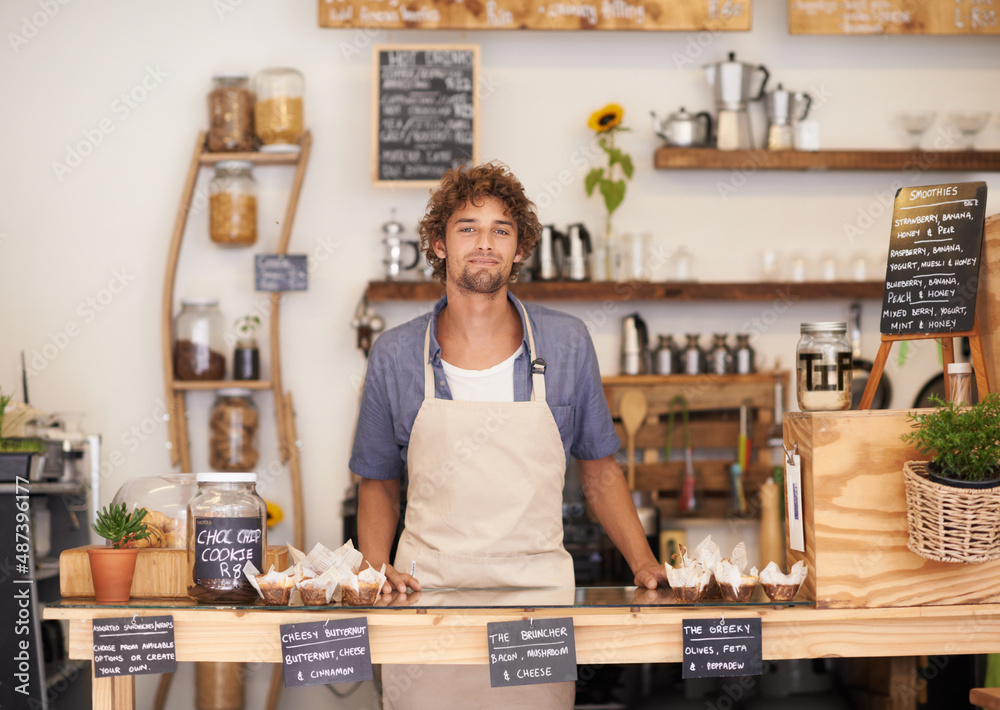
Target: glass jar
230,114
198,341
227,528
745,357
233,431
278,112
824,367
692,357
246,360
232,204
960,383
720,357
165,499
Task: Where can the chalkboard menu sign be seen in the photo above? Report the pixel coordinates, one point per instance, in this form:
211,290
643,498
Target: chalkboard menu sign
935,248
531,652
717,649
426,112
281,272
324,652
135,645
223,546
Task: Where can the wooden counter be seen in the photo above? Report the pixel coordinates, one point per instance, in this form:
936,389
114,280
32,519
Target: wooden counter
630,632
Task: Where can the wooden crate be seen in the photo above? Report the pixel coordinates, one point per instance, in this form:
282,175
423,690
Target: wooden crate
159,573
854,509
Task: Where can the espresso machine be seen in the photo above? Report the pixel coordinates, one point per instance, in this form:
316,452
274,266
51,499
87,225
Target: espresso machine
731,89
784,110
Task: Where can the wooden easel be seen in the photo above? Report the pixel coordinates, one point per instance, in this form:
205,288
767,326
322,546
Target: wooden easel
947,354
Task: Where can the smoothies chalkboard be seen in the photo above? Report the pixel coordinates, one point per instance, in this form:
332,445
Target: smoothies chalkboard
935,248
426,112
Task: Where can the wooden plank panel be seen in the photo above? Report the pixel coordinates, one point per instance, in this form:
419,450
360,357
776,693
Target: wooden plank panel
855,518
896,17
762,159
702,392
672,15
712,476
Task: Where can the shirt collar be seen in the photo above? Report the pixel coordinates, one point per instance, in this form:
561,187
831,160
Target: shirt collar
434,353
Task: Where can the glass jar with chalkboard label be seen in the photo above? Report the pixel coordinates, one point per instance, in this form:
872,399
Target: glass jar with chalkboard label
824,367
278,114
232,204
199,349
226,530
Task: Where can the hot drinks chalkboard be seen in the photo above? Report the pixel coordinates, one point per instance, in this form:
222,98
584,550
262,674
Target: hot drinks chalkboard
935,248
426,112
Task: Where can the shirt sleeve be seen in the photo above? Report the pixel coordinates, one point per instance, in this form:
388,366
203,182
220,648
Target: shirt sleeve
594,431
376,453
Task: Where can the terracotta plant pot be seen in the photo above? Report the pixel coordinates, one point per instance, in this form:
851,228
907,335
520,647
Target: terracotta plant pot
112,571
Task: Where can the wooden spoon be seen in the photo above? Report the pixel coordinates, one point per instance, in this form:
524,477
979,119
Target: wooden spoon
633,408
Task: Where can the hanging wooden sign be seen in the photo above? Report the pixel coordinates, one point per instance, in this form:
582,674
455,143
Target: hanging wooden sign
662,15
893,17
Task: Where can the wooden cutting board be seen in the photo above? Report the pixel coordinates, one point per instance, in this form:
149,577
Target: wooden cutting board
159,572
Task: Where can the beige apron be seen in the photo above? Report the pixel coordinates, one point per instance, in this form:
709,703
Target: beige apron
483,509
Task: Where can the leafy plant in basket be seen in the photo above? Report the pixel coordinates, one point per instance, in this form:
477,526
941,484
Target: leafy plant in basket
120,527
963,440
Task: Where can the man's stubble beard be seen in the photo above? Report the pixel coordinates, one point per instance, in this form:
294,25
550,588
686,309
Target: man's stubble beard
485,283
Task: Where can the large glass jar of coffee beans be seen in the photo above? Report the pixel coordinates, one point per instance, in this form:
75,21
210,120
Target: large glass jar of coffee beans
199,345
230,114
232,204
278,113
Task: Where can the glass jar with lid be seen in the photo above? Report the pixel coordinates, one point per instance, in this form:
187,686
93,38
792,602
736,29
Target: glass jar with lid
165,499
199,348
227,529
278,114
230,114
232,204
233,425
824,367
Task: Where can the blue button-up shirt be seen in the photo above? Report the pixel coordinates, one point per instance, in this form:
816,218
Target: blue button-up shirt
394,389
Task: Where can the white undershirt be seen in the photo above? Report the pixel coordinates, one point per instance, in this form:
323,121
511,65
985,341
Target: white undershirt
495,384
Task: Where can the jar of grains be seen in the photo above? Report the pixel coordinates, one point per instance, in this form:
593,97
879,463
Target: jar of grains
198,341
227,528
278,114
233,431
232,204
230,114
824,371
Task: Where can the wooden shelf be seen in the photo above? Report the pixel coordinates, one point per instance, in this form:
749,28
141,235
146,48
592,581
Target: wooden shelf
191,385
255,157
645,290
752,160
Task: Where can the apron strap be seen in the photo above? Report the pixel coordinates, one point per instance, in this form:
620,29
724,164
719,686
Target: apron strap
537,367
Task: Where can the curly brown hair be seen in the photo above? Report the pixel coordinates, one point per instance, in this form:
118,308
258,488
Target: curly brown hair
463,185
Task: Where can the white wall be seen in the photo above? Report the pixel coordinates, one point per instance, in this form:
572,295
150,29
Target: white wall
64,239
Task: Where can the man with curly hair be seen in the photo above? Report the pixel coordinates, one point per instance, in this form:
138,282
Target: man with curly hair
480,404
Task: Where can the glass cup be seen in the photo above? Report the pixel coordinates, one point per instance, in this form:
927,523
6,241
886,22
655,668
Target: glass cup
969,124
915,123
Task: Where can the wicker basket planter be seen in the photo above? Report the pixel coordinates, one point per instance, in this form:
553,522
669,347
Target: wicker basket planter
951,524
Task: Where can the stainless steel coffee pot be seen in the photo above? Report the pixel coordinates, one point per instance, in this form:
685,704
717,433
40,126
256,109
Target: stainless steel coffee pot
578,248
393,247
550,254
683,129
731,89
635,356
784,109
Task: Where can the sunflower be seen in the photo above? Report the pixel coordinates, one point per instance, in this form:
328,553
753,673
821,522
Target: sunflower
274,514
607,118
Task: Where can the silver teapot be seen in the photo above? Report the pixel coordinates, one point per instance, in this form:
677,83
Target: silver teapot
683,129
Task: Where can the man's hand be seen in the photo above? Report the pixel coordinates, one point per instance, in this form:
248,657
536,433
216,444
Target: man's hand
651,576
398,581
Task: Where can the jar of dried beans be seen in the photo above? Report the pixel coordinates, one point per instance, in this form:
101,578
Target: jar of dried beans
230,114
278,114
232,197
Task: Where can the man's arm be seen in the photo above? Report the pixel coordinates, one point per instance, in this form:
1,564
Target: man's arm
604,486
378,515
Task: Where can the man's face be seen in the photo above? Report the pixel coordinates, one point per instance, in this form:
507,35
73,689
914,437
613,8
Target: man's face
481,247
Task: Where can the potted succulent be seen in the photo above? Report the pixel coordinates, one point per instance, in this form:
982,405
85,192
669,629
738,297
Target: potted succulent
112,566
953,500
17,453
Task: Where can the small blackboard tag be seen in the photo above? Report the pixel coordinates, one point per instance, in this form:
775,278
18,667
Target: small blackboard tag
718,649
223,546
134,645
935,247
325,652
281,272
531,652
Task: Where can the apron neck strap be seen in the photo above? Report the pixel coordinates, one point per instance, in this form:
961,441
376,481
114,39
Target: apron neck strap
537,369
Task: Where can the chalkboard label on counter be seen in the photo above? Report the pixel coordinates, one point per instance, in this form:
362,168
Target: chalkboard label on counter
281,272
935,247
426,112
134,645
531,652
723,648
325,652
223,546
